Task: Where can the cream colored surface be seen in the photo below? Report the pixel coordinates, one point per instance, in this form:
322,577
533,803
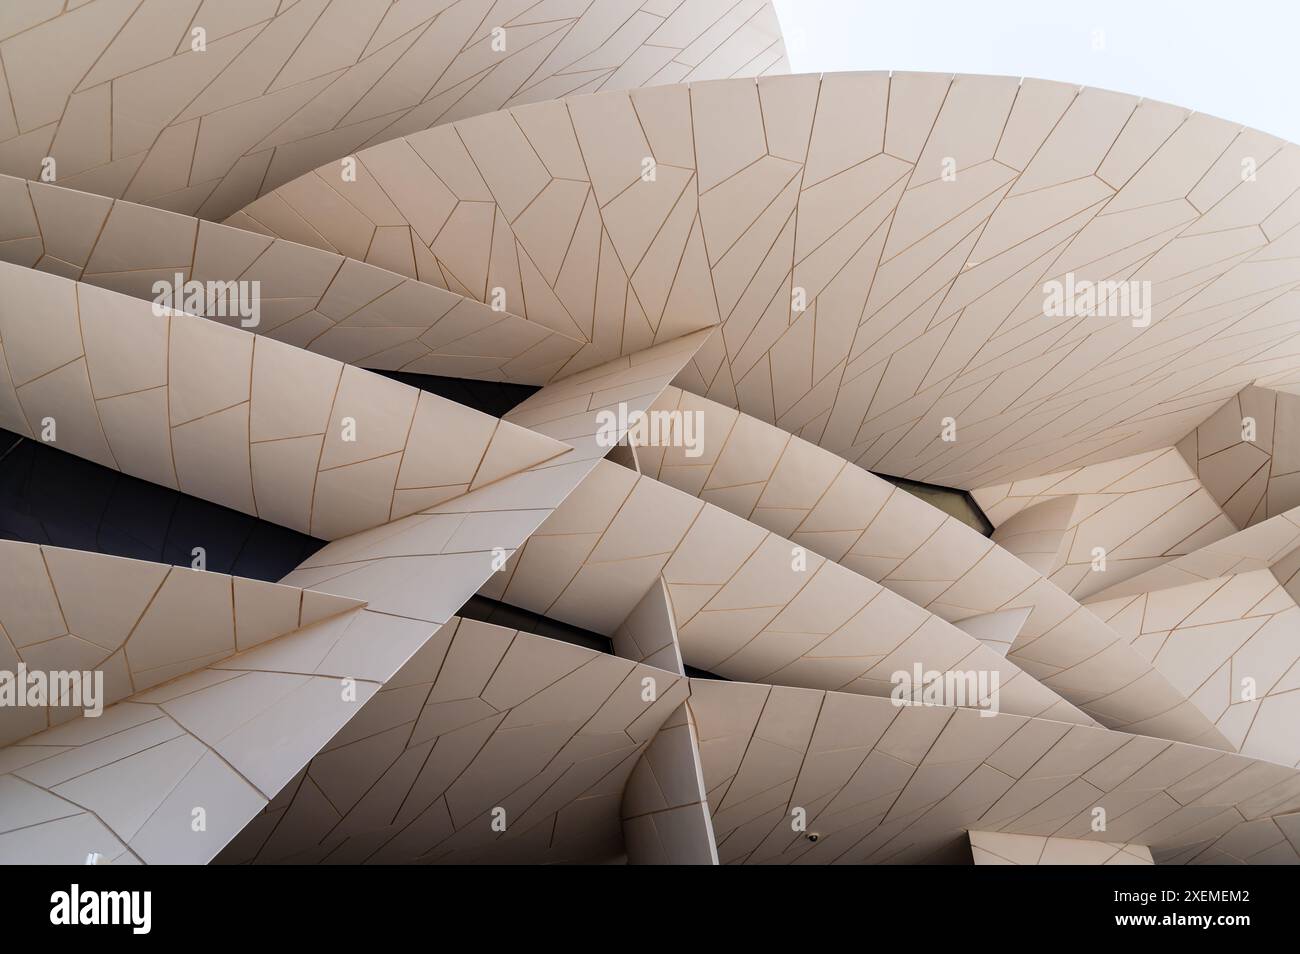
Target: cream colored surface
829,267
666,817
240,420
887,784
138,623
1114,520
649,634
1247,454
316,300
125,785
115,92
664,811
1000,848
742,607
1265,545
1230,645
924,293
1264,841
572,408
837,510
266,712
481,718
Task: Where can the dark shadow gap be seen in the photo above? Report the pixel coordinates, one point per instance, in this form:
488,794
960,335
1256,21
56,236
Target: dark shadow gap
955,503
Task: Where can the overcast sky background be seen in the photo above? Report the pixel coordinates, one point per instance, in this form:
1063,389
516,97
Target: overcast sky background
1236,60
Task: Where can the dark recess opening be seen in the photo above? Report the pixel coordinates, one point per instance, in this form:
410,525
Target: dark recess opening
955,503
488,610
51,497
491,397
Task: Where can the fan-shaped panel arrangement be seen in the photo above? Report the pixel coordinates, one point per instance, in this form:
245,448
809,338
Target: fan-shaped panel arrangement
689,599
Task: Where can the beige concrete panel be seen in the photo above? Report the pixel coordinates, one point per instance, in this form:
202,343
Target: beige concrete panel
154,390
881,783
546,739
279,91
1001,848
866,339
746,605
141,623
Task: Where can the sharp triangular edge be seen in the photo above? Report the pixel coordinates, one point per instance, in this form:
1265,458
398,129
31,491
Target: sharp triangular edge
665,810
1267,544
249,423
137,624
996,630
593,409
649,633
592,561
822,745
476,692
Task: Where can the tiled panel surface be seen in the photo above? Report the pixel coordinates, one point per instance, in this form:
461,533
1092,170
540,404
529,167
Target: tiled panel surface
1267,544
116,92
464,541
1000,848
840,511
574,408
482,723
666,818
49,497
1106,522
1265,841
881,783
243,727
921,215
312,299
250,423
664,811
746,604
649,634
1247,454
841,273
1230,644
138,623
216,744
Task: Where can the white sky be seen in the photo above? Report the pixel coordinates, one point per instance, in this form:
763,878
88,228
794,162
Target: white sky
1237,60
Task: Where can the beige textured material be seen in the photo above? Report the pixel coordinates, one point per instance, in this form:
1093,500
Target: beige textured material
573,408
747,604
881,783
1000,848
837,510
309,298
840,274
483,723
1230,645
1247,454
1264,841
125,785
243,421
922,217
1111,520
121,96
266,712
665,813
1266,545
138,623
649,634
